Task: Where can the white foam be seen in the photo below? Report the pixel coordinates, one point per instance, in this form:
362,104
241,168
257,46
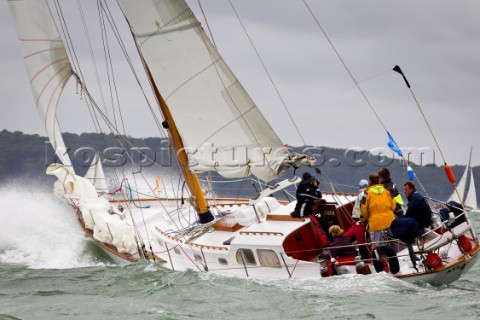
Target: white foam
40,232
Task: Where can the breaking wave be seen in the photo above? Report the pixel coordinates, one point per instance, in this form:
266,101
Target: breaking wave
41,232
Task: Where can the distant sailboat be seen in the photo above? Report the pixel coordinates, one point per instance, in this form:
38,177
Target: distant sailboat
466,189
96,175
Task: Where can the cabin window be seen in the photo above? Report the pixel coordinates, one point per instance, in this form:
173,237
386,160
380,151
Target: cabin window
222,261
176,250
245,256
268,258
160,242
197,257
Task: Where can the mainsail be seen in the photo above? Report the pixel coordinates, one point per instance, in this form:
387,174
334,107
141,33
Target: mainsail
46,61
220,126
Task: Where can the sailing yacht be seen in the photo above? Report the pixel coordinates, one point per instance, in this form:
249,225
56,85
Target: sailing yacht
214,126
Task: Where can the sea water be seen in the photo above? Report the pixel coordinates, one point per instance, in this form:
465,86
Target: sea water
50,270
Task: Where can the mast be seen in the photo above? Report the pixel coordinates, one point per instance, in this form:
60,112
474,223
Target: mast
191,179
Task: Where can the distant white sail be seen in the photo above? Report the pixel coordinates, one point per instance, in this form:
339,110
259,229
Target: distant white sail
471,197
220,126
46,61
460,188
466,188
96,175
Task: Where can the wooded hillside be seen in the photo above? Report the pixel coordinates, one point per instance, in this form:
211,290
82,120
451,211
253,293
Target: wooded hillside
25,157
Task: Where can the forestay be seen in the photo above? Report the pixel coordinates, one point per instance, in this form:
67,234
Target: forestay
46,61
220,126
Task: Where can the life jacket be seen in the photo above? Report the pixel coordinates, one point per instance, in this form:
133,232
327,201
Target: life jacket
392,188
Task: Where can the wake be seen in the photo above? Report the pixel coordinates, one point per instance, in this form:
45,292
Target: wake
40,232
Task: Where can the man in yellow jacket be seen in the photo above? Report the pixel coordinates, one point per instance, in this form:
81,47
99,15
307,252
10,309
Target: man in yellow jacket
377,208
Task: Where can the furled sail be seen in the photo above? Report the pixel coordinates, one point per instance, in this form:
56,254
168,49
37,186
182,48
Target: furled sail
46,61
220,126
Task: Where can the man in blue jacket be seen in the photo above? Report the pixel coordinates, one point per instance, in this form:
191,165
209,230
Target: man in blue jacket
418,207
417,217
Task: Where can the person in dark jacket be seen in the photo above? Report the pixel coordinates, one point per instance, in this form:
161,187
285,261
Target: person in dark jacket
339,240
388,184
307,195
418,207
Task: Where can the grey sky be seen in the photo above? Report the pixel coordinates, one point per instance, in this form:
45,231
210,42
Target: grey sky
437,44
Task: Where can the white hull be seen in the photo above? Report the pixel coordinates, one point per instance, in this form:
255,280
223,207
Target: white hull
206,252
449,274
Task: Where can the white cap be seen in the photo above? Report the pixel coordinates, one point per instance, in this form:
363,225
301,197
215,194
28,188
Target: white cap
363,183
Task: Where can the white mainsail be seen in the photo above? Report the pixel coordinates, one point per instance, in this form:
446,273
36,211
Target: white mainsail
220,126
46,61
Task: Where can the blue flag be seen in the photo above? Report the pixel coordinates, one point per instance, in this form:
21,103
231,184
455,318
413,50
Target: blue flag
393,145
410,173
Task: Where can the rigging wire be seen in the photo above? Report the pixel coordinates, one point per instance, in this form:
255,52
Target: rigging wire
116,32
333,187
109,68
375,76
79,76
124,142
357,82
92,55
75,64
268,73
72,53
68,40
206,22
102,11
448,170
215,57
121,43
345,65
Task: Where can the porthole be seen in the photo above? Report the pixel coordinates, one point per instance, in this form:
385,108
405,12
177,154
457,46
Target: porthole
222,261
197,257
176,250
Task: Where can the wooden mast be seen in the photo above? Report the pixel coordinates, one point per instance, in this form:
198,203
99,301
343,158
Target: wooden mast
191,178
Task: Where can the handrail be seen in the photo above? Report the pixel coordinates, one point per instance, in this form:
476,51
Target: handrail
261,233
